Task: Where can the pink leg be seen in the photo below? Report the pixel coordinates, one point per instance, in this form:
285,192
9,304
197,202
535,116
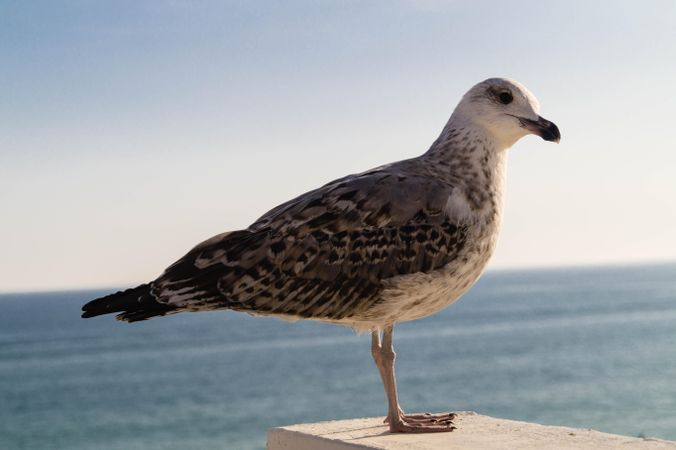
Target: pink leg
384,356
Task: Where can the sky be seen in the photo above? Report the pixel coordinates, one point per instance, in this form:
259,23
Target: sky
130,131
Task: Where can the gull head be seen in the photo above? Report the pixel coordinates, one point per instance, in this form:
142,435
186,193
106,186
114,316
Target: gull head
507,110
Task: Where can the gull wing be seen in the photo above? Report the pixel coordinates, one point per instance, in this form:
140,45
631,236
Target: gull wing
323,254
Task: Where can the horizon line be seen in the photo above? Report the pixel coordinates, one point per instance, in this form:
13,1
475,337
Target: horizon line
529,268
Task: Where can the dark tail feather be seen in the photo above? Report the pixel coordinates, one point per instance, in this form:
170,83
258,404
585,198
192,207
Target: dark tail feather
133,305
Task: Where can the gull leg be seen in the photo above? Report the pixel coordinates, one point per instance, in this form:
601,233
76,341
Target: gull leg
377,353
384,357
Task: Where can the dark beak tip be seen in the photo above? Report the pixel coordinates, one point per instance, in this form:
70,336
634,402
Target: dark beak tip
542,127
552,136
549,131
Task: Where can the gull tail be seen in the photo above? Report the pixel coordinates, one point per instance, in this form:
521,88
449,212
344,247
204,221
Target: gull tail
134,304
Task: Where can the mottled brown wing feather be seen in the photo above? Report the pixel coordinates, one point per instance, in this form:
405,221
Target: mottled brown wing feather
324,254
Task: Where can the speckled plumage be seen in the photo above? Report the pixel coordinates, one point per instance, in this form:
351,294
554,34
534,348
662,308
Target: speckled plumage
395,243
346,251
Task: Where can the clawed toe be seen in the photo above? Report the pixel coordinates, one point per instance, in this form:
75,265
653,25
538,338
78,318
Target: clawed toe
422,423
405,426
430,418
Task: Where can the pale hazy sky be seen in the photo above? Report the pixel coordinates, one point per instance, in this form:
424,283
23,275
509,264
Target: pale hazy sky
131,130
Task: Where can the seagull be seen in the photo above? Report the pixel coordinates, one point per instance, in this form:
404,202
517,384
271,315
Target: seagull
392,244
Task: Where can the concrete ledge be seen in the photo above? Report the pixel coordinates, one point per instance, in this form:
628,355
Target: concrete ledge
474,432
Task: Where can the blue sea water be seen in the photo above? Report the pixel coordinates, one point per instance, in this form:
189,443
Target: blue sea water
577,347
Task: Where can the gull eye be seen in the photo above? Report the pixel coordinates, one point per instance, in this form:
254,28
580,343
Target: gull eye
505,97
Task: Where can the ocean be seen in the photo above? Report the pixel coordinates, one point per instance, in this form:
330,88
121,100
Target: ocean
591,347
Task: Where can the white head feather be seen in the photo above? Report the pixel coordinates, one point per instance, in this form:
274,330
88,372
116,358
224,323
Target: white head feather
505,109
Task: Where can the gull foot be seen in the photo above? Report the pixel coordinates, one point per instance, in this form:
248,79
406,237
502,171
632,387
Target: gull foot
422,423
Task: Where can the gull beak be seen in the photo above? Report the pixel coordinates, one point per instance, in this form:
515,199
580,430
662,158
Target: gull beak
542,127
